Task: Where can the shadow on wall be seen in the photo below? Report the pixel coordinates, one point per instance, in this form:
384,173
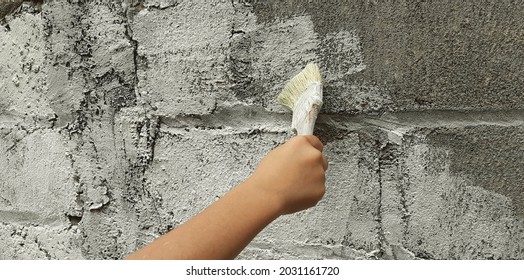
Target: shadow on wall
10,6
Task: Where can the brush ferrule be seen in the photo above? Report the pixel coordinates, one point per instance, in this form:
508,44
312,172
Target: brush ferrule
306,109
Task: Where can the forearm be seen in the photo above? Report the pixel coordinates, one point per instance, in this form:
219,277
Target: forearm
219,232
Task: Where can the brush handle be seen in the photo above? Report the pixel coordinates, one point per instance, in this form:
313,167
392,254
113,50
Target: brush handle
306,110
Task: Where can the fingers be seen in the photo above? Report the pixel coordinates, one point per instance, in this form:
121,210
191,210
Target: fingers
324,162
315,142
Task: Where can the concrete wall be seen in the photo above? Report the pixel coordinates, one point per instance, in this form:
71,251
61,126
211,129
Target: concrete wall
121,120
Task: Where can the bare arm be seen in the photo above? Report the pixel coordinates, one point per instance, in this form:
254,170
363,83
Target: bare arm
289,179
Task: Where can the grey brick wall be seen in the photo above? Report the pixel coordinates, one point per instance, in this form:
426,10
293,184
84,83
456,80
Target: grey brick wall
120,120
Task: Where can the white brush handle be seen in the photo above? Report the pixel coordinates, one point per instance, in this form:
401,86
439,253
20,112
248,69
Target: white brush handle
306,110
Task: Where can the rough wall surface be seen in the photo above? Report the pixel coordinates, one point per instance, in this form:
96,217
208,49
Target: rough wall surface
120,120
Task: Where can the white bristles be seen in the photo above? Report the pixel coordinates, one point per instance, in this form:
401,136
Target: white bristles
298,85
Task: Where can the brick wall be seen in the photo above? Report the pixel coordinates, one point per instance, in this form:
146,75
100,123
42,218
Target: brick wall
120,120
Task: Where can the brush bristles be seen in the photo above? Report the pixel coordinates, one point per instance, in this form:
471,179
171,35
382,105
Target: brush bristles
296,86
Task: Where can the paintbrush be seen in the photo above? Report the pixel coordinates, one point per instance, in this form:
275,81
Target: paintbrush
303,95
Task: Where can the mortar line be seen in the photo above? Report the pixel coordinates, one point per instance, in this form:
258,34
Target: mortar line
394,120
380,233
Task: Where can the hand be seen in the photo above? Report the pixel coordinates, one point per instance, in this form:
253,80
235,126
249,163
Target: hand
293,174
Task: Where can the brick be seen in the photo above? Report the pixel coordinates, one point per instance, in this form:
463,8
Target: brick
264,57
89,57
183,52
22,68
36,175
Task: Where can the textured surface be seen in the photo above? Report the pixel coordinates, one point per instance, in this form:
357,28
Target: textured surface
120,120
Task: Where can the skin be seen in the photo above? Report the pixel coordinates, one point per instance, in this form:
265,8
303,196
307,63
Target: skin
289,179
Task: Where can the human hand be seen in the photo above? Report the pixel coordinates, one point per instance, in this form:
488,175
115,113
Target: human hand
293,174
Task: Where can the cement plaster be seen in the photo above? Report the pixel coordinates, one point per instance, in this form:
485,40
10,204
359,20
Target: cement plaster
119,120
